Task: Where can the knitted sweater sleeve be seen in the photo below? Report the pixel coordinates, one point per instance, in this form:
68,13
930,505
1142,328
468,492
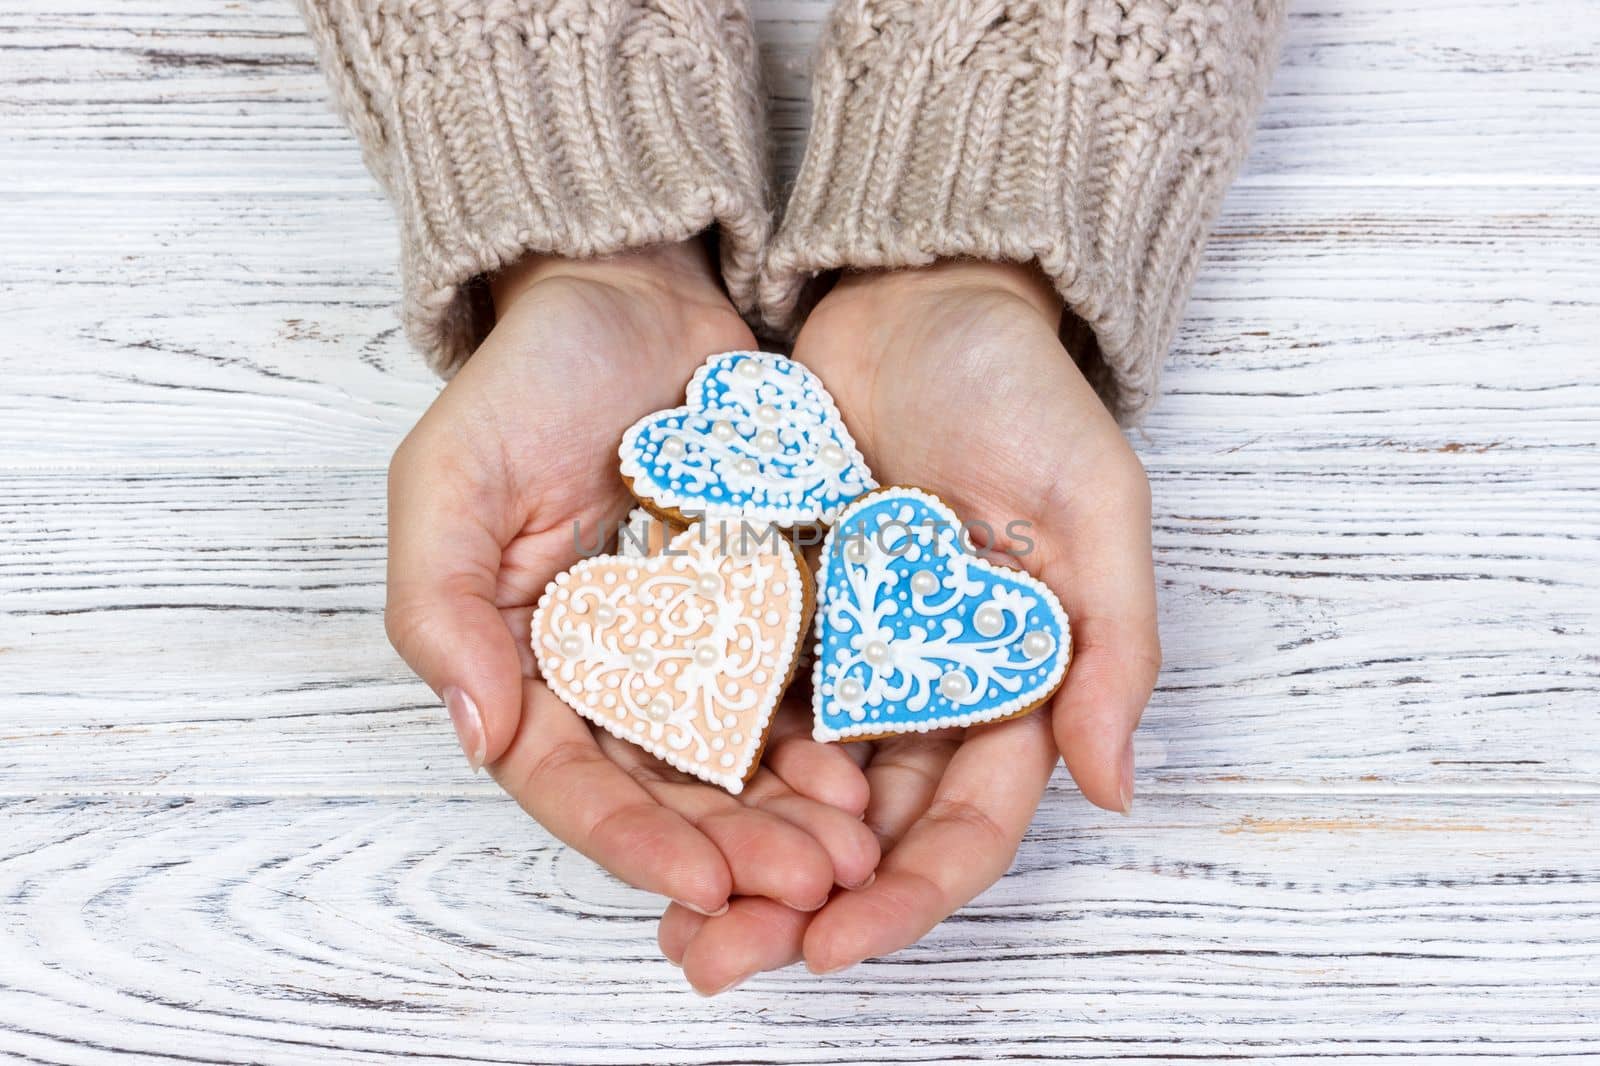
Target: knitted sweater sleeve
501,128
1095,137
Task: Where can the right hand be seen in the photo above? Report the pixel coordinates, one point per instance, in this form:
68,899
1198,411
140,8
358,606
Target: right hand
517,451
952,378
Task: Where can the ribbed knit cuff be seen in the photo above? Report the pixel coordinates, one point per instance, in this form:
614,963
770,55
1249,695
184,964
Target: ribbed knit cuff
577,128
1095,137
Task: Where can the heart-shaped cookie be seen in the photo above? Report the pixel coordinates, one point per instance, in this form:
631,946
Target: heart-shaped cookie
914,632
643,534
685,653
759,438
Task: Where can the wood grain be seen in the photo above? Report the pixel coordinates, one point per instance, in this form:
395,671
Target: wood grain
1324,320
196,268
234,829
1298,929
1370,90
1427,621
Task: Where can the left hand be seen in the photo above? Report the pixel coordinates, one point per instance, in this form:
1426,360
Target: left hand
953,379
490,496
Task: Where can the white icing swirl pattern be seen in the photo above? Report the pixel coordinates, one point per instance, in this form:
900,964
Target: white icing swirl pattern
915,633
760,438
684,654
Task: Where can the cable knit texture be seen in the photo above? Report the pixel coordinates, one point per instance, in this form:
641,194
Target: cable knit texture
579,128
1095,137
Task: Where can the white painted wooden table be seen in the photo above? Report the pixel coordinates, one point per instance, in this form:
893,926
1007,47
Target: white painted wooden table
233,827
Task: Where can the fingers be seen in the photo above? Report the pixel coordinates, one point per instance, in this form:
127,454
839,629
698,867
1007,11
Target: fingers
824,772
1101,566
559,775
677,927
771,857
851,847
1095,713
755,935
962,844
765,854
905,772
444,555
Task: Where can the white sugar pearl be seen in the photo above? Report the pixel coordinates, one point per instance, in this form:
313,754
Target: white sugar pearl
605,614
876,652
642,659
722,430
726,760
751,369
707,655
672,448
767,440
659,709
747,467
850,691
856,549
767,414
1038,644
989,621
708,584
955,686
925,583
571,645
832,454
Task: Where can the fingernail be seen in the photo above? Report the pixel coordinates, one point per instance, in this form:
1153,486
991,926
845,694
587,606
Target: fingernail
464,715
864,884
718,913
835,968
735,983
1127,778
817,906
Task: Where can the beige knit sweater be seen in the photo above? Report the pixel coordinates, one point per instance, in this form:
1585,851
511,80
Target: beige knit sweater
1095,137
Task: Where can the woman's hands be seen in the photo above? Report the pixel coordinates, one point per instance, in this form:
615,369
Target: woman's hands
952,378
511,469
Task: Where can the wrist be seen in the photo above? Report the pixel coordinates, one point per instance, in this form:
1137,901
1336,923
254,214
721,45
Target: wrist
682,269
954,277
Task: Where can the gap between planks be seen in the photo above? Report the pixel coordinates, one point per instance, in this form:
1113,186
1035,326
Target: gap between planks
490,791
1157,458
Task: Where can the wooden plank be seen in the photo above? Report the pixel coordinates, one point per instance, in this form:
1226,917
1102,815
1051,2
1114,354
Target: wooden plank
1424,621
1291,929
1369,90
1337,321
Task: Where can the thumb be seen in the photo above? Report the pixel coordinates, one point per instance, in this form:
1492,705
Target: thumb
441,615
1103,572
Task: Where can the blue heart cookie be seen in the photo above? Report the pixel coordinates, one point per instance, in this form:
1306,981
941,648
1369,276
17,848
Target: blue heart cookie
760,438
914,632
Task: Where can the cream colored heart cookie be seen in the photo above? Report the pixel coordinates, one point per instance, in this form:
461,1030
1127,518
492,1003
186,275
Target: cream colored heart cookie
685,654
643,534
